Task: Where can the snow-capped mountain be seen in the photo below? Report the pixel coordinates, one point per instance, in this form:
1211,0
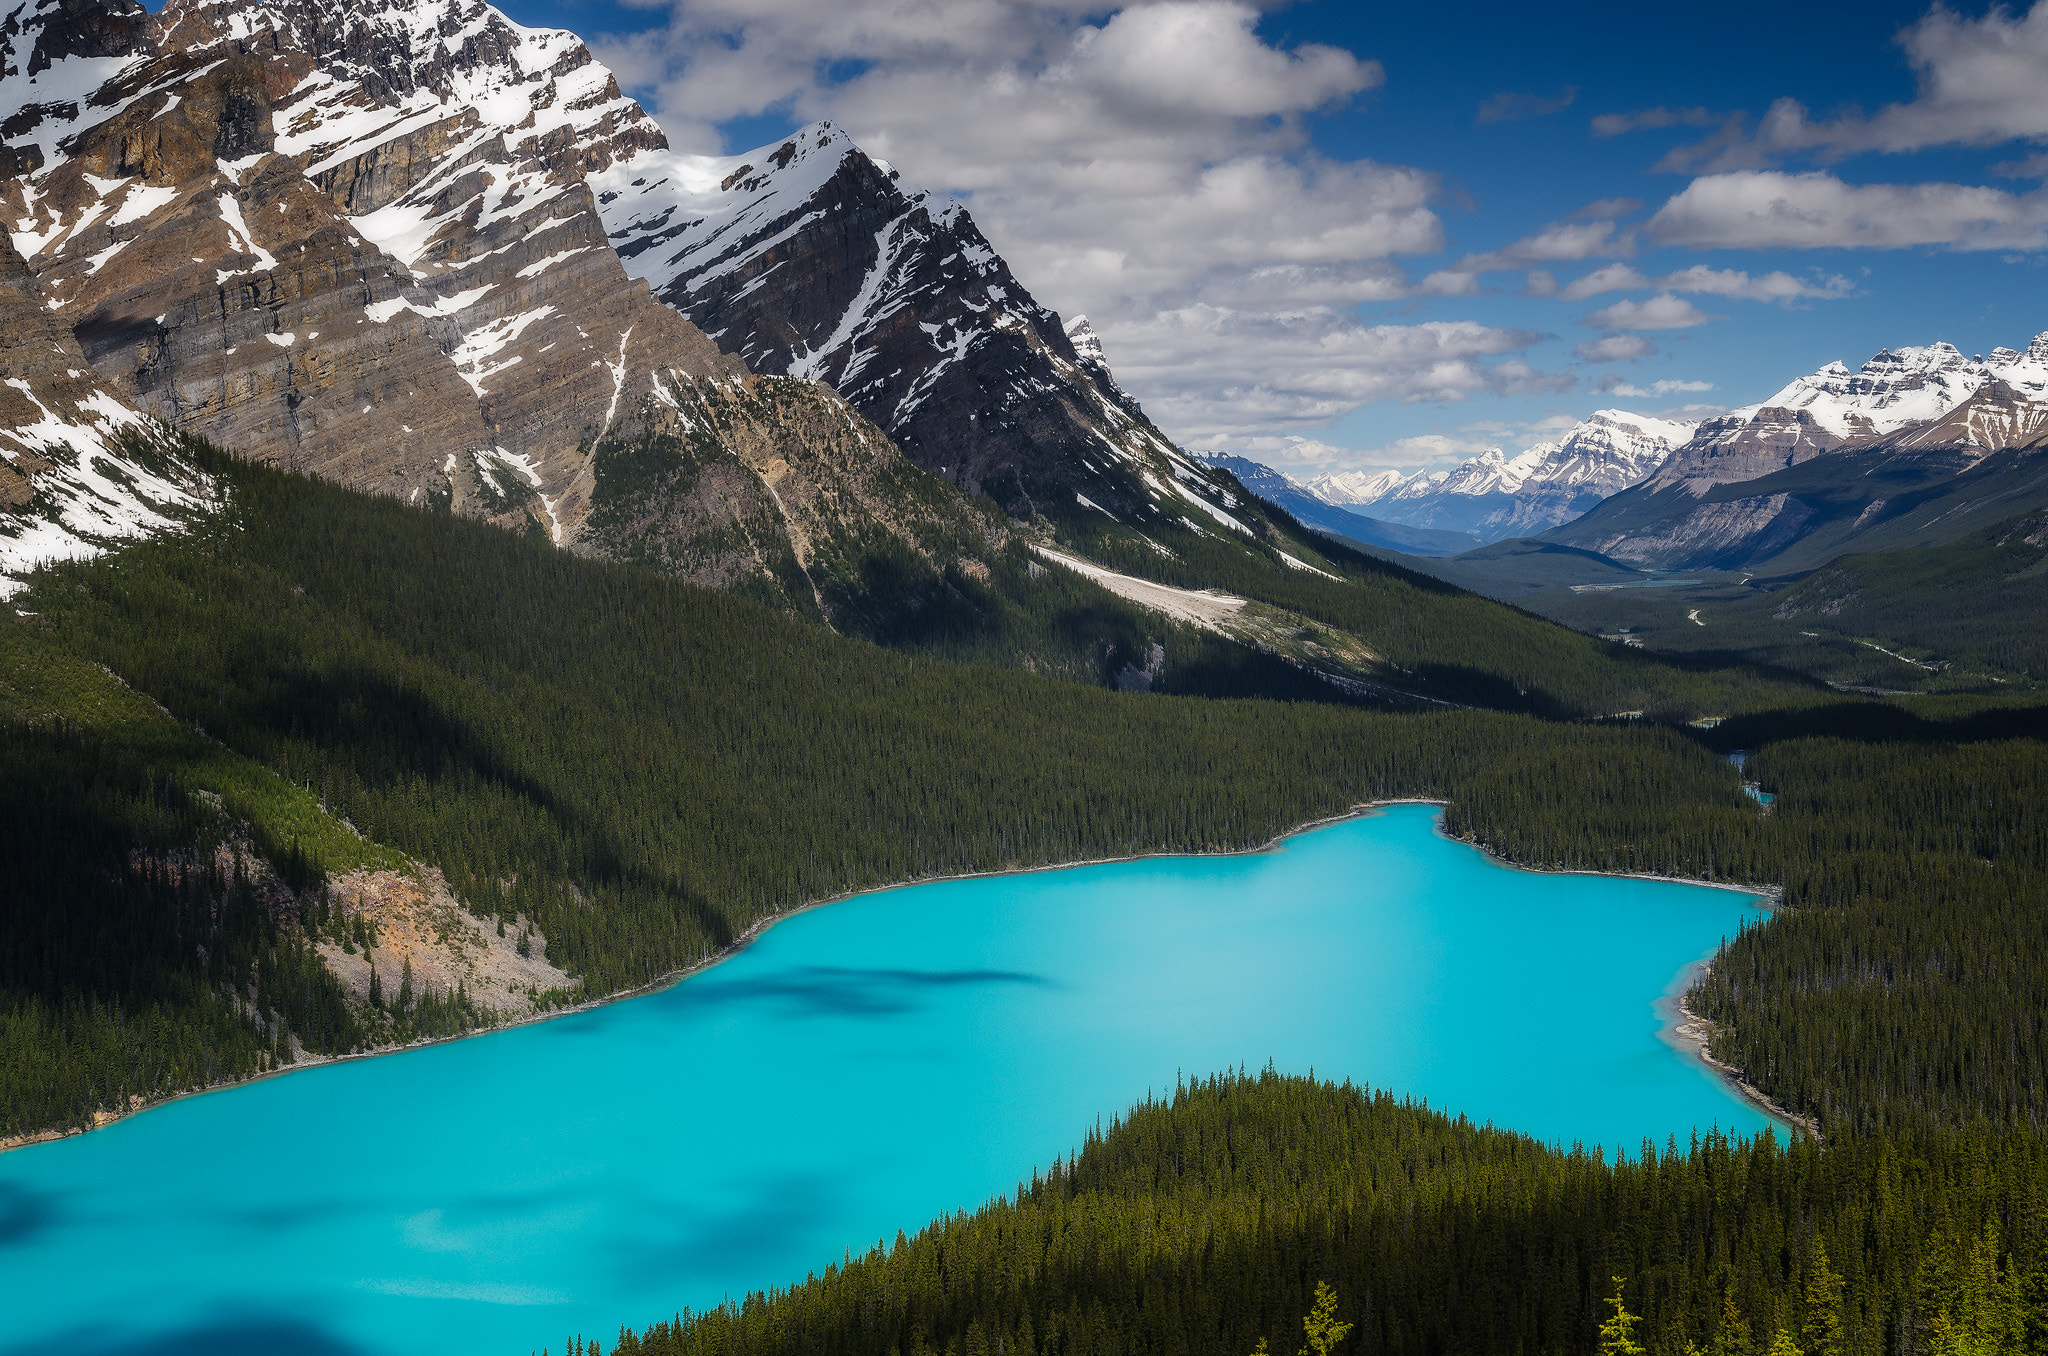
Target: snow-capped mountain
1347,488
80,469
355,238
323,232
1493,495
1904,393
1306,506
1910,449
809,257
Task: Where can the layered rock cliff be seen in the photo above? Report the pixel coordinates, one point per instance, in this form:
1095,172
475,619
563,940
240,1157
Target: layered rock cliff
357,240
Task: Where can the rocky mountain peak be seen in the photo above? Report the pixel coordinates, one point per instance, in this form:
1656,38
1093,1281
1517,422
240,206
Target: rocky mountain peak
809,257
1087,345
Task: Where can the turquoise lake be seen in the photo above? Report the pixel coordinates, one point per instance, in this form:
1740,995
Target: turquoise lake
862,1068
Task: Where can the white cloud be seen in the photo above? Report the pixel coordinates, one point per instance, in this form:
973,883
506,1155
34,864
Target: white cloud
1614,124
1738,285
1733,283
1765,209
1979,84
1661,312
1207,370
1559,242
1615,384
1612,278
1614,348
1150,169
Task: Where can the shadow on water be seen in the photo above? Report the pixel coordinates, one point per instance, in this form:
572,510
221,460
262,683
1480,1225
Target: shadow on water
838,991
752,1239
234,1336
24,1214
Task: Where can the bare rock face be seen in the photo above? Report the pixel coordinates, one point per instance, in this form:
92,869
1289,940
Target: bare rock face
1745,445
809,258
778,489
350,240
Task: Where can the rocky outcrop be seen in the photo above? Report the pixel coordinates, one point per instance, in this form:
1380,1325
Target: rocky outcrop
1719,535
809,258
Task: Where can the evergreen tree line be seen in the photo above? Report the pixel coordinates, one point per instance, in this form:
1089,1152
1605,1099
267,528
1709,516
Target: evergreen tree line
1211,1221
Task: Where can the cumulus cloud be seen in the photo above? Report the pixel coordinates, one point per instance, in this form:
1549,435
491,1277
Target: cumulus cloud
1612,278
1511,107
1767,209
1150,169
1661,312
1978,80
1614,348
1615,384
1559,242
1211,370
1733,283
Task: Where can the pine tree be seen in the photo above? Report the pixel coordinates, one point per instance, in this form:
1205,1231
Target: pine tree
1822,1325
1617,1333
1321,1325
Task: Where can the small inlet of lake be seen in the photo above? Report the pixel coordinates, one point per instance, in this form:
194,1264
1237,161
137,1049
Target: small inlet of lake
860,1069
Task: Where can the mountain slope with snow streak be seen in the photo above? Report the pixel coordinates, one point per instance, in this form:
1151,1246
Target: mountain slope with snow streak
811,258
80,469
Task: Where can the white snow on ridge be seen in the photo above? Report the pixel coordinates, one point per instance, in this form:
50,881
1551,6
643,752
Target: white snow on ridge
1605,452
87,496
669,213
1906,386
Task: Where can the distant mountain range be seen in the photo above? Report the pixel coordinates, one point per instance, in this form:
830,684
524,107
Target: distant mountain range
1494,496
1916,447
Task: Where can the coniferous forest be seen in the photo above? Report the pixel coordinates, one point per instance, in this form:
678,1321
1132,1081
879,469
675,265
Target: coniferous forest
313,682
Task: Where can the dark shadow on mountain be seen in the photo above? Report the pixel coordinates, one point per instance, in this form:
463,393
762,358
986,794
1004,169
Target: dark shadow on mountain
1879,723
837,991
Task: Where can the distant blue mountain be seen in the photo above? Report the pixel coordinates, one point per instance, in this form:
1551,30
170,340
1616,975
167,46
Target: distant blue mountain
1275,488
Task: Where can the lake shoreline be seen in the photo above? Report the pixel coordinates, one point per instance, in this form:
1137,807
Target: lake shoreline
103,1119
1690,1034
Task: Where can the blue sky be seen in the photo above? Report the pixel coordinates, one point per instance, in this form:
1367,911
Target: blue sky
1337,234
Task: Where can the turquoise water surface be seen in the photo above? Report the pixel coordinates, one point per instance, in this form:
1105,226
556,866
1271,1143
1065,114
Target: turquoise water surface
860,1069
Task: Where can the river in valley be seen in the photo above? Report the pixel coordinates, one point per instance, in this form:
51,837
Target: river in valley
859,1069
